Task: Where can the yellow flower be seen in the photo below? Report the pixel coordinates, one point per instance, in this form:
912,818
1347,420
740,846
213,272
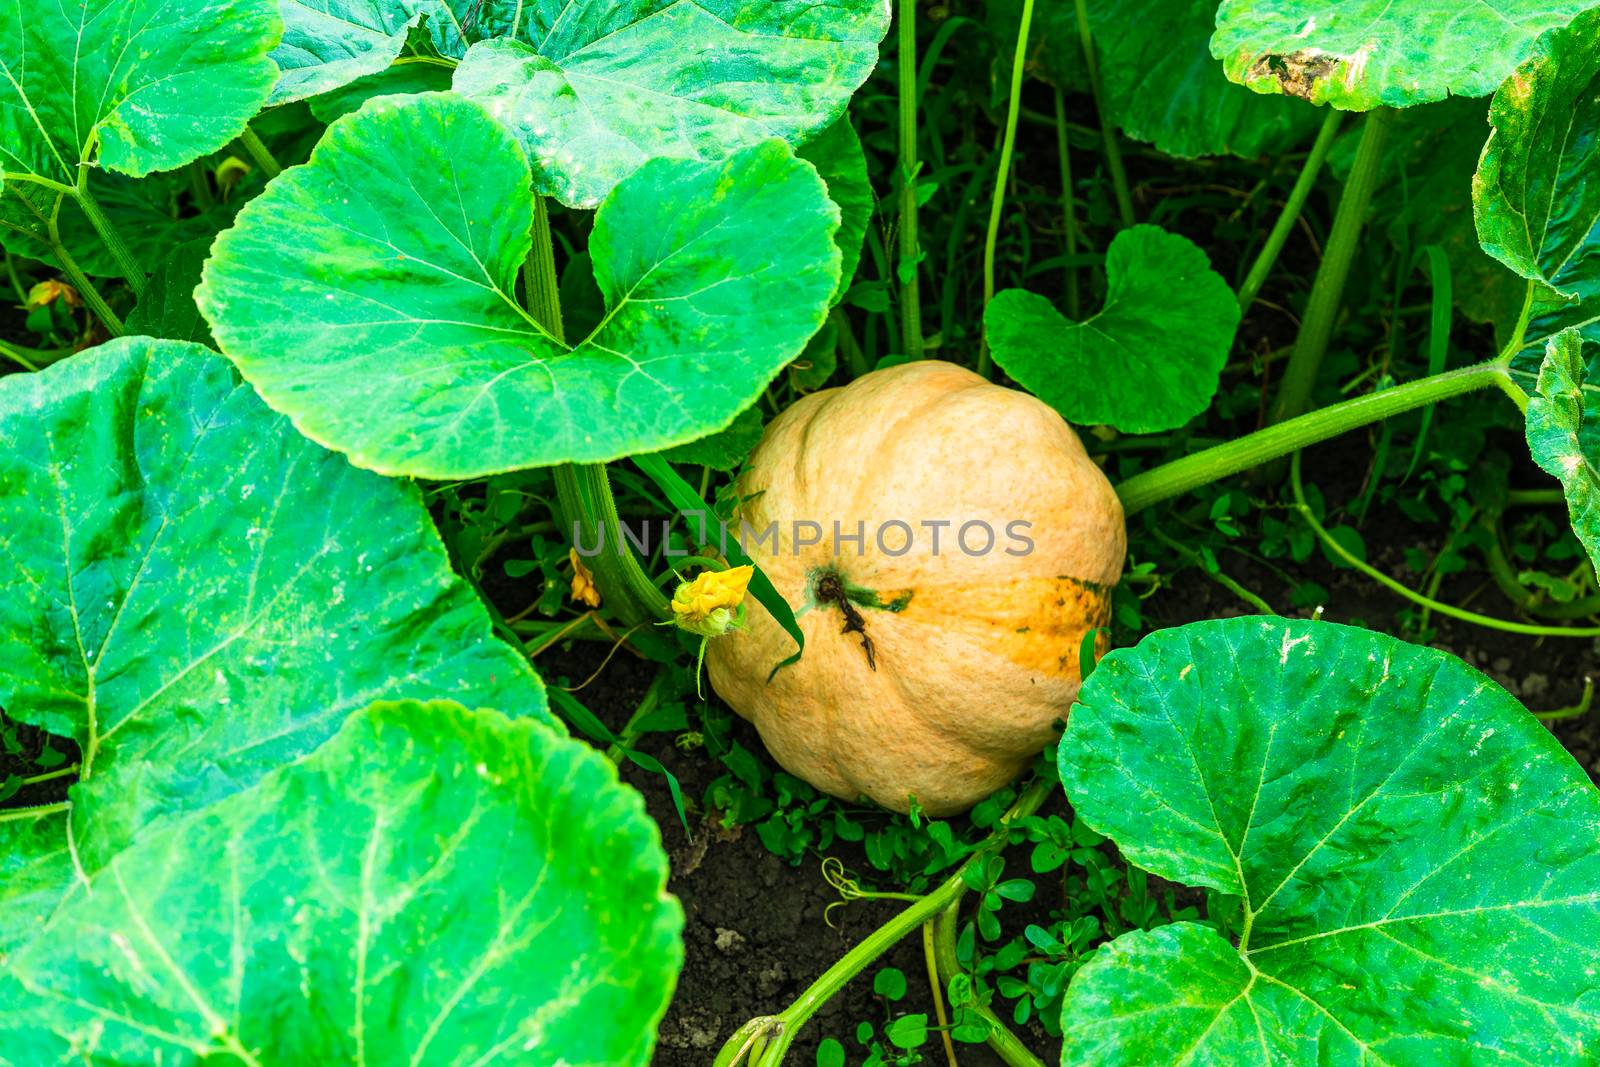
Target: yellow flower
584,591
49,292
708,605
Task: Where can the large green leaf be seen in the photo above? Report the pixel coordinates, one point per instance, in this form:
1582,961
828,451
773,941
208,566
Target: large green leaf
197,595
1159,81
1415,856
167,308
327,44
1149,360
1360,54
369,296
1535,196
1564,438
139,85
432,885
599,87
35,867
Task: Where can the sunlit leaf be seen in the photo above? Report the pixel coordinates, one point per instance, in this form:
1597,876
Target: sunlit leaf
1149,360
328,44
1415,854
370,295
426,887
139,85
198,595
1360,54
598,87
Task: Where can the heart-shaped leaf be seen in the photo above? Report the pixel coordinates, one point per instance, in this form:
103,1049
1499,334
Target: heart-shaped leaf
1414,853
607,86
1149,360
1535,197
139,85
1158,80
369,296
426,887
328,44
1563,439
1360,54
197,595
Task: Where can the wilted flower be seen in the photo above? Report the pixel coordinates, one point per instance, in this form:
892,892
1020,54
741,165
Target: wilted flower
48,292
584,591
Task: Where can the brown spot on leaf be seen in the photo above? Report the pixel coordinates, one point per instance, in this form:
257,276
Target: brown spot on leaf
1298,72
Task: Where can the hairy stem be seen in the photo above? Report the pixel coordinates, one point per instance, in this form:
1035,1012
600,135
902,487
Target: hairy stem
1008,144
260,153
910,253
1273,442
80,281
1108,132
1268,256
1327,292
109,235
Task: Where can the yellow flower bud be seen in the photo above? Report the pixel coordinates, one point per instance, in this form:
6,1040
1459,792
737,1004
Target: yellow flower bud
708,605
584,591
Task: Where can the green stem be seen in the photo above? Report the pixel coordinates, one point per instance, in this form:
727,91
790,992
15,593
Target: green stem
1069,214
126,263
1333,545
1532,497
1327,292
1005,1044
1203,468
1008,144
80,281
541,285
769,1037
1217,576
1524,599
1108,132
260,153
910,253
1580,708
32,358
38,811
200,186
50,776
1268,256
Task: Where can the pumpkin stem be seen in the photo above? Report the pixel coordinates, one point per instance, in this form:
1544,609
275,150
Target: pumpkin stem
830,589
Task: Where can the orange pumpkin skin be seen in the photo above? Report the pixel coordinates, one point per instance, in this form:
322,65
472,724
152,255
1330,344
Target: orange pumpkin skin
976,655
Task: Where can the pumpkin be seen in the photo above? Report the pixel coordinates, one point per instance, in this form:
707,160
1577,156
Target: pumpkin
938,659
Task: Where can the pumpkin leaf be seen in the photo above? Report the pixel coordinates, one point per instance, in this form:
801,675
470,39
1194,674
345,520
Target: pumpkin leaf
608,86
329,44
137,85
1392,821
837,155
405,79
1563,438
1362,54
199,595
167,308
1158,79
1149,360
420,889
368,295
724,450
1535,201
35,868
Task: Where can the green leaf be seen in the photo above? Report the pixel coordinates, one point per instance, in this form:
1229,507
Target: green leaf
1563,441
606,85
401,80
35,866
328,44
890,983
1415,854
908,1031
369,296
139,85
1535,199
424,888
837,155
724,450
198,595
167,308
1149,360
1159,81
1360,54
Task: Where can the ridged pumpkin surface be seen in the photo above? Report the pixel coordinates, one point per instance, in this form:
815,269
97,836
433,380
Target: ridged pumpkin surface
974,654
